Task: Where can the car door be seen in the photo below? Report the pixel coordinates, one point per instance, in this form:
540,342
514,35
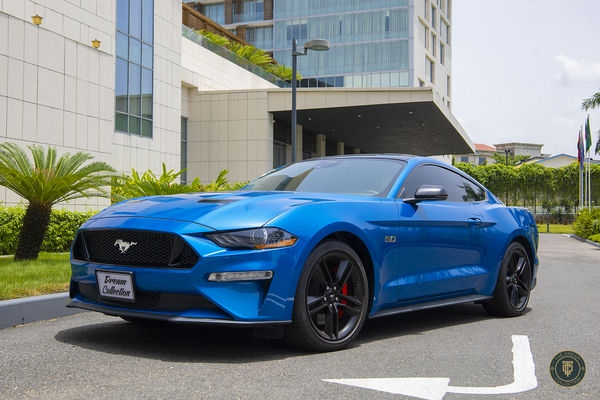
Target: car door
439,249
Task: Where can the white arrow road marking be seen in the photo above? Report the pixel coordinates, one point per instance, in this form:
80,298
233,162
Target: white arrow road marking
436,388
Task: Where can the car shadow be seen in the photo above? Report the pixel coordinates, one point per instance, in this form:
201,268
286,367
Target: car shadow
420,322
210,344
176,342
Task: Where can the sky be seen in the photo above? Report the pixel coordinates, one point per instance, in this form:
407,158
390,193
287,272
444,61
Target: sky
521,69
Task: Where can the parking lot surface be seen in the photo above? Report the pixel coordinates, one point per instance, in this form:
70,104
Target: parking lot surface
455,352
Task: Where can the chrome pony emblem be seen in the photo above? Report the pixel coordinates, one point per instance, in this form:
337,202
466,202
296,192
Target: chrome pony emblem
124,246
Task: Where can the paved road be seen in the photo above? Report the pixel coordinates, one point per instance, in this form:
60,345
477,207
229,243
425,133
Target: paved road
90,355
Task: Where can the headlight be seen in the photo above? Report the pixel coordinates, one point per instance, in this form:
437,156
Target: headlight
259,238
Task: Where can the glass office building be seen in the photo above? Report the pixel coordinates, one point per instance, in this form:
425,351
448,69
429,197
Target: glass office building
374,43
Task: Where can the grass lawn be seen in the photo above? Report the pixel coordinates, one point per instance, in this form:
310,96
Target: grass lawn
555,228
50,273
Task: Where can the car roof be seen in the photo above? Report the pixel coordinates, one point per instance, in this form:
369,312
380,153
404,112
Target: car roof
396,156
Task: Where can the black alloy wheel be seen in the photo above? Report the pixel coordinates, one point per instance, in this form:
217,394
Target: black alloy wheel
332,299
513,287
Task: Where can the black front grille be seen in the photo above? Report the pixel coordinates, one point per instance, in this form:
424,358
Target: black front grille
134,248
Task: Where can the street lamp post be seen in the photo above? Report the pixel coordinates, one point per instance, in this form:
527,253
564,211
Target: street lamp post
318,45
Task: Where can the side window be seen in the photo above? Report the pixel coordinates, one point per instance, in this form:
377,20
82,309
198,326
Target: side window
458,187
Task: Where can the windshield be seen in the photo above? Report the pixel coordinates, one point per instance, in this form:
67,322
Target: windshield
358,176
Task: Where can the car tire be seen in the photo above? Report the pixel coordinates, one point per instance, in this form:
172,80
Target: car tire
513,286
331,301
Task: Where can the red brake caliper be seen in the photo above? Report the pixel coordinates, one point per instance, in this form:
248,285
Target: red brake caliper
344,291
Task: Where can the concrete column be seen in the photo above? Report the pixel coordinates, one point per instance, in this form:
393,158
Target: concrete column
228,12
340,148
299,142
321,148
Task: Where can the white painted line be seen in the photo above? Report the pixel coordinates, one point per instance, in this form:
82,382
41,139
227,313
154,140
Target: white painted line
436,388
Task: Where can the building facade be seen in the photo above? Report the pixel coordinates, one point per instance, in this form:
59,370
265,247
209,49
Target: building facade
484,154
126,82
120,101
374,43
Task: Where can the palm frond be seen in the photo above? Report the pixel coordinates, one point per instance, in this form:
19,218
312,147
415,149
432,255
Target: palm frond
47,179
592,102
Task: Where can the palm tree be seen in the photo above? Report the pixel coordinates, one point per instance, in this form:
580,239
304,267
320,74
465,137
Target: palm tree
592,102
588,104
45,182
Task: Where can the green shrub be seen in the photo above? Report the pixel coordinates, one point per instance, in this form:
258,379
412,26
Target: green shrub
595,238
11,221
587,223
62,228
60,234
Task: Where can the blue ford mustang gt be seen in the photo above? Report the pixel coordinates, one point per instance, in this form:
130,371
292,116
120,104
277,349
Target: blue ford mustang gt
312,249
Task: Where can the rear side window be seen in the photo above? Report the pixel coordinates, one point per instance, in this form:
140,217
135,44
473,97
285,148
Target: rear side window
458,187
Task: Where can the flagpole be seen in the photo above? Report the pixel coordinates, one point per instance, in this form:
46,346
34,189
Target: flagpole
580,157
590,180
588,150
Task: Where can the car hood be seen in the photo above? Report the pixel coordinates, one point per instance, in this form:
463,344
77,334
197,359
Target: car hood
220,211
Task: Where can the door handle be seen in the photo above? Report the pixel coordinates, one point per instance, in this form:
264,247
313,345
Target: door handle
475,222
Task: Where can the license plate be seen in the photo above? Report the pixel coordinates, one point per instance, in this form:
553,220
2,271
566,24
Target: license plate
115,285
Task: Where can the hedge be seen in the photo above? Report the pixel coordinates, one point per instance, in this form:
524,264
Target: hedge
60,234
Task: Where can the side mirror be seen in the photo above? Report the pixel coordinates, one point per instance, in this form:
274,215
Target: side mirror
428,192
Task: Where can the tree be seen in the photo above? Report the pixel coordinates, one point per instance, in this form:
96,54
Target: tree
43,183
591,103
533,182
510,160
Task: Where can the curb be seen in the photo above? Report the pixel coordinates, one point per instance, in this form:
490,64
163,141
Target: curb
32,309
584,240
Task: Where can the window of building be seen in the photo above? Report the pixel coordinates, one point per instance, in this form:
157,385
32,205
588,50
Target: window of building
260,37
442,53
430,69
216,12
443,31
296,30
134,67
464,159
447,30
248,10
433,16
